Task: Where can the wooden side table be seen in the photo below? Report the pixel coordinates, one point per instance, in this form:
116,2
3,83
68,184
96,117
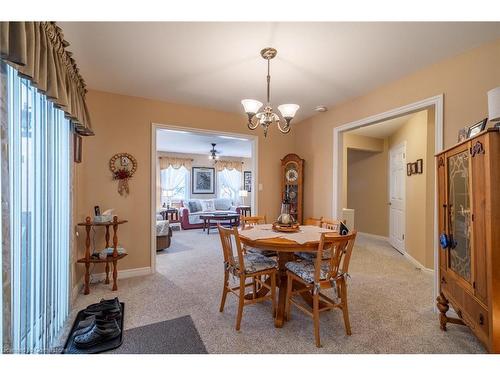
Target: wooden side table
88,260
245,210
172,215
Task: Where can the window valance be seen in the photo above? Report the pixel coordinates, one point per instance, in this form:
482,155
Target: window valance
37,50
176,163
229,164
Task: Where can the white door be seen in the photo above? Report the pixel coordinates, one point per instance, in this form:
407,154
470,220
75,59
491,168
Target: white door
397,195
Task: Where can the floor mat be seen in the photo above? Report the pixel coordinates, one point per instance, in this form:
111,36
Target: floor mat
175,336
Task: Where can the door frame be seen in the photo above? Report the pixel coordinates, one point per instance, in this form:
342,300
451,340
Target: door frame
338,132
255,173
399,145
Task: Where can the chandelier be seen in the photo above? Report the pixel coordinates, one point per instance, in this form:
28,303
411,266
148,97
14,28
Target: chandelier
213,153
267,116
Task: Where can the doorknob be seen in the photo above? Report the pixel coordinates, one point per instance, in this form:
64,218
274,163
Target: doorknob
388,203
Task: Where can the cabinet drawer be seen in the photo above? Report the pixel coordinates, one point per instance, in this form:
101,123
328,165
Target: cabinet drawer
476,317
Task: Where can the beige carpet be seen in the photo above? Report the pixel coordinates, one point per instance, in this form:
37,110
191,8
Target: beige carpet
390,305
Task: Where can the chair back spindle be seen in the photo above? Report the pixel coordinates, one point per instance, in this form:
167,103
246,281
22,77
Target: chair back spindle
230,241
340,248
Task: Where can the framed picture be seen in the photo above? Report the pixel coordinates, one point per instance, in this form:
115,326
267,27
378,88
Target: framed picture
420,165
413,168
408,169
247,181
477,128
462,134
77,148
203,180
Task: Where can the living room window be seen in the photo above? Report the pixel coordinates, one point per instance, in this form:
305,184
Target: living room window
229,184
176,182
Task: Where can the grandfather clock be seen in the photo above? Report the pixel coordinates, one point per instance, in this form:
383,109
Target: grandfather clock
292,184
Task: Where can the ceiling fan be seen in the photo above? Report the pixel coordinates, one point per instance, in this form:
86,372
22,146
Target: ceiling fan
213,153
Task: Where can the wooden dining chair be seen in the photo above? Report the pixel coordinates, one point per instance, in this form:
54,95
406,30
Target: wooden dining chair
313,221
334,226
253,266
317,275
248,222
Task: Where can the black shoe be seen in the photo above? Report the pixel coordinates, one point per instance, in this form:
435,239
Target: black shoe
104,307
97,336
102,324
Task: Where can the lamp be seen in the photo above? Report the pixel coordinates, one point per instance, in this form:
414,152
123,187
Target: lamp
243,194
168,194
267,116
494,105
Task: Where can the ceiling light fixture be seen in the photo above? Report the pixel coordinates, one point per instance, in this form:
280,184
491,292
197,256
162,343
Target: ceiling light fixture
213,153
268,117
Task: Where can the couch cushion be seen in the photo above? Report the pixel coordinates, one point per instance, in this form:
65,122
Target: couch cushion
194,205
222,204
207,205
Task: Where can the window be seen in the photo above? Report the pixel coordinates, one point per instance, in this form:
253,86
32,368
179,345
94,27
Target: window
39,182
229,184
176,181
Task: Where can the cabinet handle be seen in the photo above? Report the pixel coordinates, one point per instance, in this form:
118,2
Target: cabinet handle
481,319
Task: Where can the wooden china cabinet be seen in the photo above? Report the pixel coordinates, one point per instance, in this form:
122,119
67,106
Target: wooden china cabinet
292,184
469,217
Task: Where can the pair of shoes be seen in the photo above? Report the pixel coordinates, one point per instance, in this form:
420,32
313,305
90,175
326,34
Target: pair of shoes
100,325
97,334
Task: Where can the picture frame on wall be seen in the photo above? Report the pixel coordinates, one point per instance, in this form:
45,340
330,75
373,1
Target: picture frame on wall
414,168
77,148
420,166
247,181
477,128
203,180
408,169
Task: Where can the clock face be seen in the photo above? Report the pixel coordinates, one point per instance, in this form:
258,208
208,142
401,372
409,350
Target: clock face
291,175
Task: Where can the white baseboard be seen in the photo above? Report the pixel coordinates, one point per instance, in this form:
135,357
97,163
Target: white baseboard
124,274
376,236
408,256
417,263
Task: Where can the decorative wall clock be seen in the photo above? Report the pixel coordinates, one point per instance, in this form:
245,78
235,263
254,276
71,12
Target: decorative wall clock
123,166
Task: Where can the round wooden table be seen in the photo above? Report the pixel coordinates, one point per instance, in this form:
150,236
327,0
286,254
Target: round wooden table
285,249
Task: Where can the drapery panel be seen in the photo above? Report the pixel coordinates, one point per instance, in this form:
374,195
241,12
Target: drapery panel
37,50
229,184
176,163
228,164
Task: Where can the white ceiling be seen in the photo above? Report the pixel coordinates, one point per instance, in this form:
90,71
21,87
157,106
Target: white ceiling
200,143
383,129
215,64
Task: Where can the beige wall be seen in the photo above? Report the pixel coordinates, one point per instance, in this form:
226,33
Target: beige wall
367,189
414,134
123,124
464,81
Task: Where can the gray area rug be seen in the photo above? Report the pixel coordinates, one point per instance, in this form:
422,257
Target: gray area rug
175,336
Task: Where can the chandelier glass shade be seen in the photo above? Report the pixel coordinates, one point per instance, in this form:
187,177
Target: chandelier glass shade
266,117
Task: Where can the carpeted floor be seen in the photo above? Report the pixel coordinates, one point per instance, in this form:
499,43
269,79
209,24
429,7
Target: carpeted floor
390,304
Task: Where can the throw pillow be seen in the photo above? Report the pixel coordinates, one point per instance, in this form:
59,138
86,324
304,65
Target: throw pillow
222,204
208,205
193,206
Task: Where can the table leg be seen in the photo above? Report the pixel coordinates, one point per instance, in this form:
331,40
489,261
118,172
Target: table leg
283,257
208,228
204,224
107,273
115,275
87,278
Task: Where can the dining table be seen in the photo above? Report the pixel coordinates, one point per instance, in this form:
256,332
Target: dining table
285,244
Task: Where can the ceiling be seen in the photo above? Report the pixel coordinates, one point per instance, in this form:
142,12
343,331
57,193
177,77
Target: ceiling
383,129
201,143
216,64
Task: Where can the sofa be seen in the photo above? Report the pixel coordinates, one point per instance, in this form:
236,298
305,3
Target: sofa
192,209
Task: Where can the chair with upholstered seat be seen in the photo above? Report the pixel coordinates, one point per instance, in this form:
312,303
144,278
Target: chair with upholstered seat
314,276
248,222
245,266
333,225
313,221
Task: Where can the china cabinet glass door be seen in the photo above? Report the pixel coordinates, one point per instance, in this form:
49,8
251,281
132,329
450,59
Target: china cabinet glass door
459,214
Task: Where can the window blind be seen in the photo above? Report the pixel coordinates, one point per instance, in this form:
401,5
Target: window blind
40,216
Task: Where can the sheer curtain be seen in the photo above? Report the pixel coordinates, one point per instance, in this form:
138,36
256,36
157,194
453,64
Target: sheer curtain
40,216
176,180
229,183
